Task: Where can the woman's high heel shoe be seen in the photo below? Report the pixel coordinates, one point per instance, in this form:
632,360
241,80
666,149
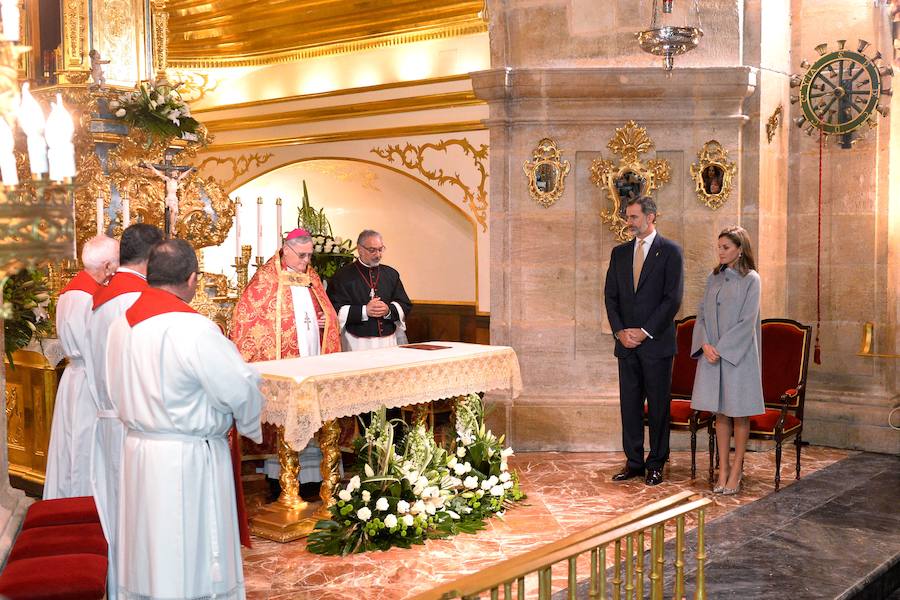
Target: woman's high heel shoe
718,489
733,491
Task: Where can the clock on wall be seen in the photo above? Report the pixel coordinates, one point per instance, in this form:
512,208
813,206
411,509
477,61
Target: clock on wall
840,91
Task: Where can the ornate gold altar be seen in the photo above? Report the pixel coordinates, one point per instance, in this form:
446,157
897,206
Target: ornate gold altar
112,189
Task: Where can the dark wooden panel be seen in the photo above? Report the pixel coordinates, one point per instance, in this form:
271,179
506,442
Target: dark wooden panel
448,322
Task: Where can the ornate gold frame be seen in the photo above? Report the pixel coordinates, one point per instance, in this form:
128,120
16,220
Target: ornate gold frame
628,142
713,155
773,123
546,153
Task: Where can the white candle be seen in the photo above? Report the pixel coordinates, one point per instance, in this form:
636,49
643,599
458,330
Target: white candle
9,12
126,211
259,227
31,119
7,157
99,214
278,222
60,130
237,226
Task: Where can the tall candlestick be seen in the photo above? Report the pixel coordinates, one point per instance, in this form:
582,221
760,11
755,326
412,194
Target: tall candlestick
259,227
237,226
126,210
59,138
278,222
9,12
99,214
31,119
7,157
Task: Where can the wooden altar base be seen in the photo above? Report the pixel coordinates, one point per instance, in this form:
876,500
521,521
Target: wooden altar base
566,492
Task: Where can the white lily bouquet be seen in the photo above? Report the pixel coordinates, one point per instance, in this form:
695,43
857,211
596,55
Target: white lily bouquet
423,491
158,109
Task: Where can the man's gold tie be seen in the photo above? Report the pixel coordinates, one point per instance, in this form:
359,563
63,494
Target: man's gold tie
638,261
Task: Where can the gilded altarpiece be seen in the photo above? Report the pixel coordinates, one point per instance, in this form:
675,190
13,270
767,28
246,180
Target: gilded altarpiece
118,34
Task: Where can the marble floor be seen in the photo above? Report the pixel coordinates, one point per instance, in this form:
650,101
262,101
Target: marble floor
566,492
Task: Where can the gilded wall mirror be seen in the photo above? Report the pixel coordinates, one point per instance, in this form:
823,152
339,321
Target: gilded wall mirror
630,178
713,175
546,173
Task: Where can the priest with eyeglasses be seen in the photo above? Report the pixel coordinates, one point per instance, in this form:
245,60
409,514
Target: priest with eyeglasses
370,299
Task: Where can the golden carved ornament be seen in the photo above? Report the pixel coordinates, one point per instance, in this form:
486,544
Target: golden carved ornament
239,165
413,158
205,213
546,173
631,177
194,85
773,123
160,38
713,174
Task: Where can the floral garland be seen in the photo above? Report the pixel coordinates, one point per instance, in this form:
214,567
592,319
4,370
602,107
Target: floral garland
26,302
158,109
422,491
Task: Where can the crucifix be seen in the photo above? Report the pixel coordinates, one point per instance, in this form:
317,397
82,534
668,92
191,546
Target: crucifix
172,176
307,321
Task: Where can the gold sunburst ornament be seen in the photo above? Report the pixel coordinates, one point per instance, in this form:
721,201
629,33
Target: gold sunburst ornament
630,178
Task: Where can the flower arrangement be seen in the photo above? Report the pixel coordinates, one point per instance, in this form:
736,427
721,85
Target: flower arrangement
25,310
158,109
415,490
330,253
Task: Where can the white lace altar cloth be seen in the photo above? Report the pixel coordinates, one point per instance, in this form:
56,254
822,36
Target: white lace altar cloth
302,393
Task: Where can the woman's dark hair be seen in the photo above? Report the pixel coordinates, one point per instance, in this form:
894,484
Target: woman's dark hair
740,238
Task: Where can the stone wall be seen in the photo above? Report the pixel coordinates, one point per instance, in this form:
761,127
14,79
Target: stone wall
567,70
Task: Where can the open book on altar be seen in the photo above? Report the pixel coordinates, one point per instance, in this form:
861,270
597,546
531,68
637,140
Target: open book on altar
303,393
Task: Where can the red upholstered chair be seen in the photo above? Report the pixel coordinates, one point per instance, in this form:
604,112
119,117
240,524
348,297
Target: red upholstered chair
785,362
61,511
681,416
87,538
58,577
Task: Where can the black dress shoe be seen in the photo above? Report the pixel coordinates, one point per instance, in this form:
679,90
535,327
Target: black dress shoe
627,473
654,477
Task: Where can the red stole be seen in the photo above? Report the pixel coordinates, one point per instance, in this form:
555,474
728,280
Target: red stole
154,302
121,283
82,282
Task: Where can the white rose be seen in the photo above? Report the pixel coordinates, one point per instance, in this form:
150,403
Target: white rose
452,462
430,509
507,484
382,504
317,248
328,246
486,484
468,467
369,471
354,483
366,496
460,469
504,466
504,477
364,513
408,520
345,495
120,112
402,506
497,490
461,452
493,480
390,521
471,482
507,452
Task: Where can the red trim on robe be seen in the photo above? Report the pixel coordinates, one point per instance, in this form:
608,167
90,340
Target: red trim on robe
121,283
82,282
154,302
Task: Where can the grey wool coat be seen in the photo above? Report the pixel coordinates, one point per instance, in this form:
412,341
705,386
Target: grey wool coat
729,319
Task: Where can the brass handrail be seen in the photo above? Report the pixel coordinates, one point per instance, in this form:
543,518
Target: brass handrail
631,526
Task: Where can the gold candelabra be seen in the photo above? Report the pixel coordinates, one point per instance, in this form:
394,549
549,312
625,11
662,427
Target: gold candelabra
242,266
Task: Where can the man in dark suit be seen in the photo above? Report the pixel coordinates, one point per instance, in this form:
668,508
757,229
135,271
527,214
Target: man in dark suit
644,285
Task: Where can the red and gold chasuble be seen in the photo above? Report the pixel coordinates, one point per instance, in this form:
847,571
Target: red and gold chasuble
267,301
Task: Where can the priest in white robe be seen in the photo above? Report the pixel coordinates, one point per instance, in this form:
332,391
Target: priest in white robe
74,413
180,385
110,303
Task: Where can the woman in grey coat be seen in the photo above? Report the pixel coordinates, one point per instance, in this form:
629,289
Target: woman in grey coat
727,343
